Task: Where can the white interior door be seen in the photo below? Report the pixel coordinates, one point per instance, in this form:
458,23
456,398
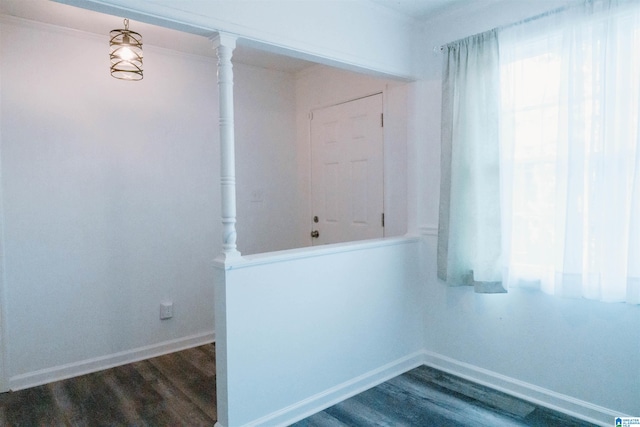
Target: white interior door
347,171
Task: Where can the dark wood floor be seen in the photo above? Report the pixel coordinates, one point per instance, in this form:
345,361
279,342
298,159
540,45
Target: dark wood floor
427,397
179,390
173,390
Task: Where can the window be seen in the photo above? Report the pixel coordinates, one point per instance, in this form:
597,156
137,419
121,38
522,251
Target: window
563,92
570,100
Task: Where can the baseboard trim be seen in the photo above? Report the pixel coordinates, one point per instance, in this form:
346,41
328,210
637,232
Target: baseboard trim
88,366
330,397
550,399
571,406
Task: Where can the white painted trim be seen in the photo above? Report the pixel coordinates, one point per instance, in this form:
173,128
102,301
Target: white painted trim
314,252
351,99
96,364
429,230
330,397
532,393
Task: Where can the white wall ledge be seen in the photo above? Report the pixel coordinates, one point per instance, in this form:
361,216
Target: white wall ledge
246,261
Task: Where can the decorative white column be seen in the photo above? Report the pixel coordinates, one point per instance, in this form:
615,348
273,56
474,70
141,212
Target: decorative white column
224,45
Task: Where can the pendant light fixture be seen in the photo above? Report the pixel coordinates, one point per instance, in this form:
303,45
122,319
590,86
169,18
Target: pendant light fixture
125,52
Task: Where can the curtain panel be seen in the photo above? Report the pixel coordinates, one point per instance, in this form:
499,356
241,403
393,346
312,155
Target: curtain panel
469,242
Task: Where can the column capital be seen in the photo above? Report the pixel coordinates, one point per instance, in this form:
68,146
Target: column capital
224,39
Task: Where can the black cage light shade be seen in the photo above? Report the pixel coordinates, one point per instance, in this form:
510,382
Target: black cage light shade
125,52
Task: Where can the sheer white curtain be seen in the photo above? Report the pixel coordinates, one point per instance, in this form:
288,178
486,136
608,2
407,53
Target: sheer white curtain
469,225
570,155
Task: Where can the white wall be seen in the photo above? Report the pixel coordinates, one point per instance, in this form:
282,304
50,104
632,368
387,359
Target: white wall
110,197
110,203
303,329
322,86
570,349
584,355
268,211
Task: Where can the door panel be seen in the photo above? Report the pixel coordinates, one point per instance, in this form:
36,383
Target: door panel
346,171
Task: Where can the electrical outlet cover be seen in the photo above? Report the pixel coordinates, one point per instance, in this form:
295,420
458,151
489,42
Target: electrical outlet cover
166,310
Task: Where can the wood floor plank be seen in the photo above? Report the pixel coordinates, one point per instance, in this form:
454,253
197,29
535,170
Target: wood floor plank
203,359
180,404
358,412
402,408
454,405
128,407
422,406
150,405
73,413
97,401
198,389
475,391
154,407
34,407
543,417
321,419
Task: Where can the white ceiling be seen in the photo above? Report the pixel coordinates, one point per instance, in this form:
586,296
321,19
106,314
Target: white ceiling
420,9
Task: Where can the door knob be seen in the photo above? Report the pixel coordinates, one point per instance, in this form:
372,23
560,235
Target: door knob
315,234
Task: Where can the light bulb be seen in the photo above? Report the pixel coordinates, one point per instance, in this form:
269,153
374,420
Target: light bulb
126,53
